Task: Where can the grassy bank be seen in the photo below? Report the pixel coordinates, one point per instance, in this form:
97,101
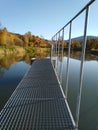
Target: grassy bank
21,51
11,50
11,55
37,52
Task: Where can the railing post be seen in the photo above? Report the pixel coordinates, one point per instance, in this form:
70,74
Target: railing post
59,44
62,42
67,68
51,54
81,69
56,43
58,47
56,51
62,55
51,50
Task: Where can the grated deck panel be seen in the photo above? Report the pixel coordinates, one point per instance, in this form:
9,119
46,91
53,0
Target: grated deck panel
37,103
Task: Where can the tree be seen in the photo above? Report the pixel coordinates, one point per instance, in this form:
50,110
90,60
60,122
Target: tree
26,39
18,41
3,37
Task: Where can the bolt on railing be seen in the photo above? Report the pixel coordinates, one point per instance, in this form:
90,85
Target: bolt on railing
56,51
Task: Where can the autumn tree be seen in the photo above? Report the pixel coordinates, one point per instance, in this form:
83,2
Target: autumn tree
18,41
92,44
3,37
26,40
76,45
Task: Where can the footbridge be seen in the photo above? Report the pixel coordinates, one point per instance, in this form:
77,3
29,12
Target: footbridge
39,102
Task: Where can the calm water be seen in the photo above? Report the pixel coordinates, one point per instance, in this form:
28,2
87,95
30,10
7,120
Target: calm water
89,101
12,72
10,78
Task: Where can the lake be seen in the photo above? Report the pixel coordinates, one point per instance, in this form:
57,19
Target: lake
12,70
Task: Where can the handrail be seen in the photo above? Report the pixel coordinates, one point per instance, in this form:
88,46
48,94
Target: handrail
56,50
87,5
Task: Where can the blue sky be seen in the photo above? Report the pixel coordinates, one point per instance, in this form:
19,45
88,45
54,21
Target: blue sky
46,17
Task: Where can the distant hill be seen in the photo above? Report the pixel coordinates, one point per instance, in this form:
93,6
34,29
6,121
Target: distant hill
81,38
92,43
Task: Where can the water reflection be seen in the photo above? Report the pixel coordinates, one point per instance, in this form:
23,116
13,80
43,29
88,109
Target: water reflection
9,79
89,102
12,69
7,60
77,55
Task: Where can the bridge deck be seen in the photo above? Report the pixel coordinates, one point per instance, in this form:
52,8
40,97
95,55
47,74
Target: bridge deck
38,102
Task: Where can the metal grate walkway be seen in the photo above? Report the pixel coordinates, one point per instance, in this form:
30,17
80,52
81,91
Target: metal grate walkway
38,102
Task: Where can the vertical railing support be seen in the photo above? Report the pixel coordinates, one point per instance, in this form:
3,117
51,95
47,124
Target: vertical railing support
62,55
62,42
81,68
51,49
56,43
67,68
59,44
58,50
54,46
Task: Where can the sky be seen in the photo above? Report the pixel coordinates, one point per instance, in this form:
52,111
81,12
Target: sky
44,18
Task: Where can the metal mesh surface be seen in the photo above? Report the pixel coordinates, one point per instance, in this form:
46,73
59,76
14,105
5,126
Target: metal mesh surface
37,103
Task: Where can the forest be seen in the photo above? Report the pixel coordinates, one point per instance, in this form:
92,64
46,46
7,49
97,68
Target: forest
76,45
9,39
92,44
13,39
